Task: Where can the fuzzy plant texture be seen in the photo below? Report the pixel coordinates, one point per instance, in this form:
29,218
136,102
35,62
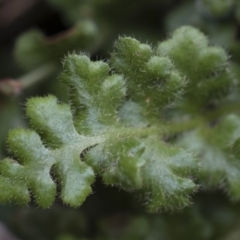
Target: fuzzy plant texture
159,122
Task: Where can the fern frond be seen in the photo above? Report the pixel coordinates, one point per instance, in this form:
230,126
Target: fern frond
114,126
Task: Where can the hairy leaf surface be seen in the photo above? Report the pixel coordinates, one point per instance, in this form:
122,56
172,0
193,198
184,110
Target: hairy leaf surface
122,122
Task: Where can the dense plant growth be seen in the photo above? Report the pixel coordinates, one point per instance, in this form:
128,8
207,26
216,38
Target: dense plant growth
141,141
121,124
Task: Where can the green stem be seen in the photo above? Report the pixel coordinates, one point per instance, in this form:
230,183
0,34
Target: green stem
167,128
172,128
223,110
161,129
37,75
14,87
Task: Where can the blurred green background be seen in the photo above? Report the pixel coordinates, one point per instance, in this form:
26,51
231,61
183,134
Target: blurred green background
35,35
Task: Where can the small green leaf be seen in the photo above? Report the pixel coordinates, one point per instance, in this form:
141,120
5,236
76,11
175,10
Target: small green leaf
119,162
166,176
205,67
151,79
218,152
55,126
94,94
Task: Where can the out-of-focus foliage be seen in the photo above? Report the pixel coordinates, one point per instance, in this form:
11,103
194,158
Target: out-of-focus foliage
208,219
212,217
219,19
33,49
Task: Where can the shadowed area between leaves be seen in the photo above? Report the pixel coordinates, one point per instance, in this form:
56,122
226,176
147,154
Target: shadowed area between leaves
5,234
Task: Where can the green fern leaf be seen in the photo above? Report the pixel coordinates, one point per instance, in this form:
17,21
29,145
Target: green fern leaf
116,126
218,148
205,67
